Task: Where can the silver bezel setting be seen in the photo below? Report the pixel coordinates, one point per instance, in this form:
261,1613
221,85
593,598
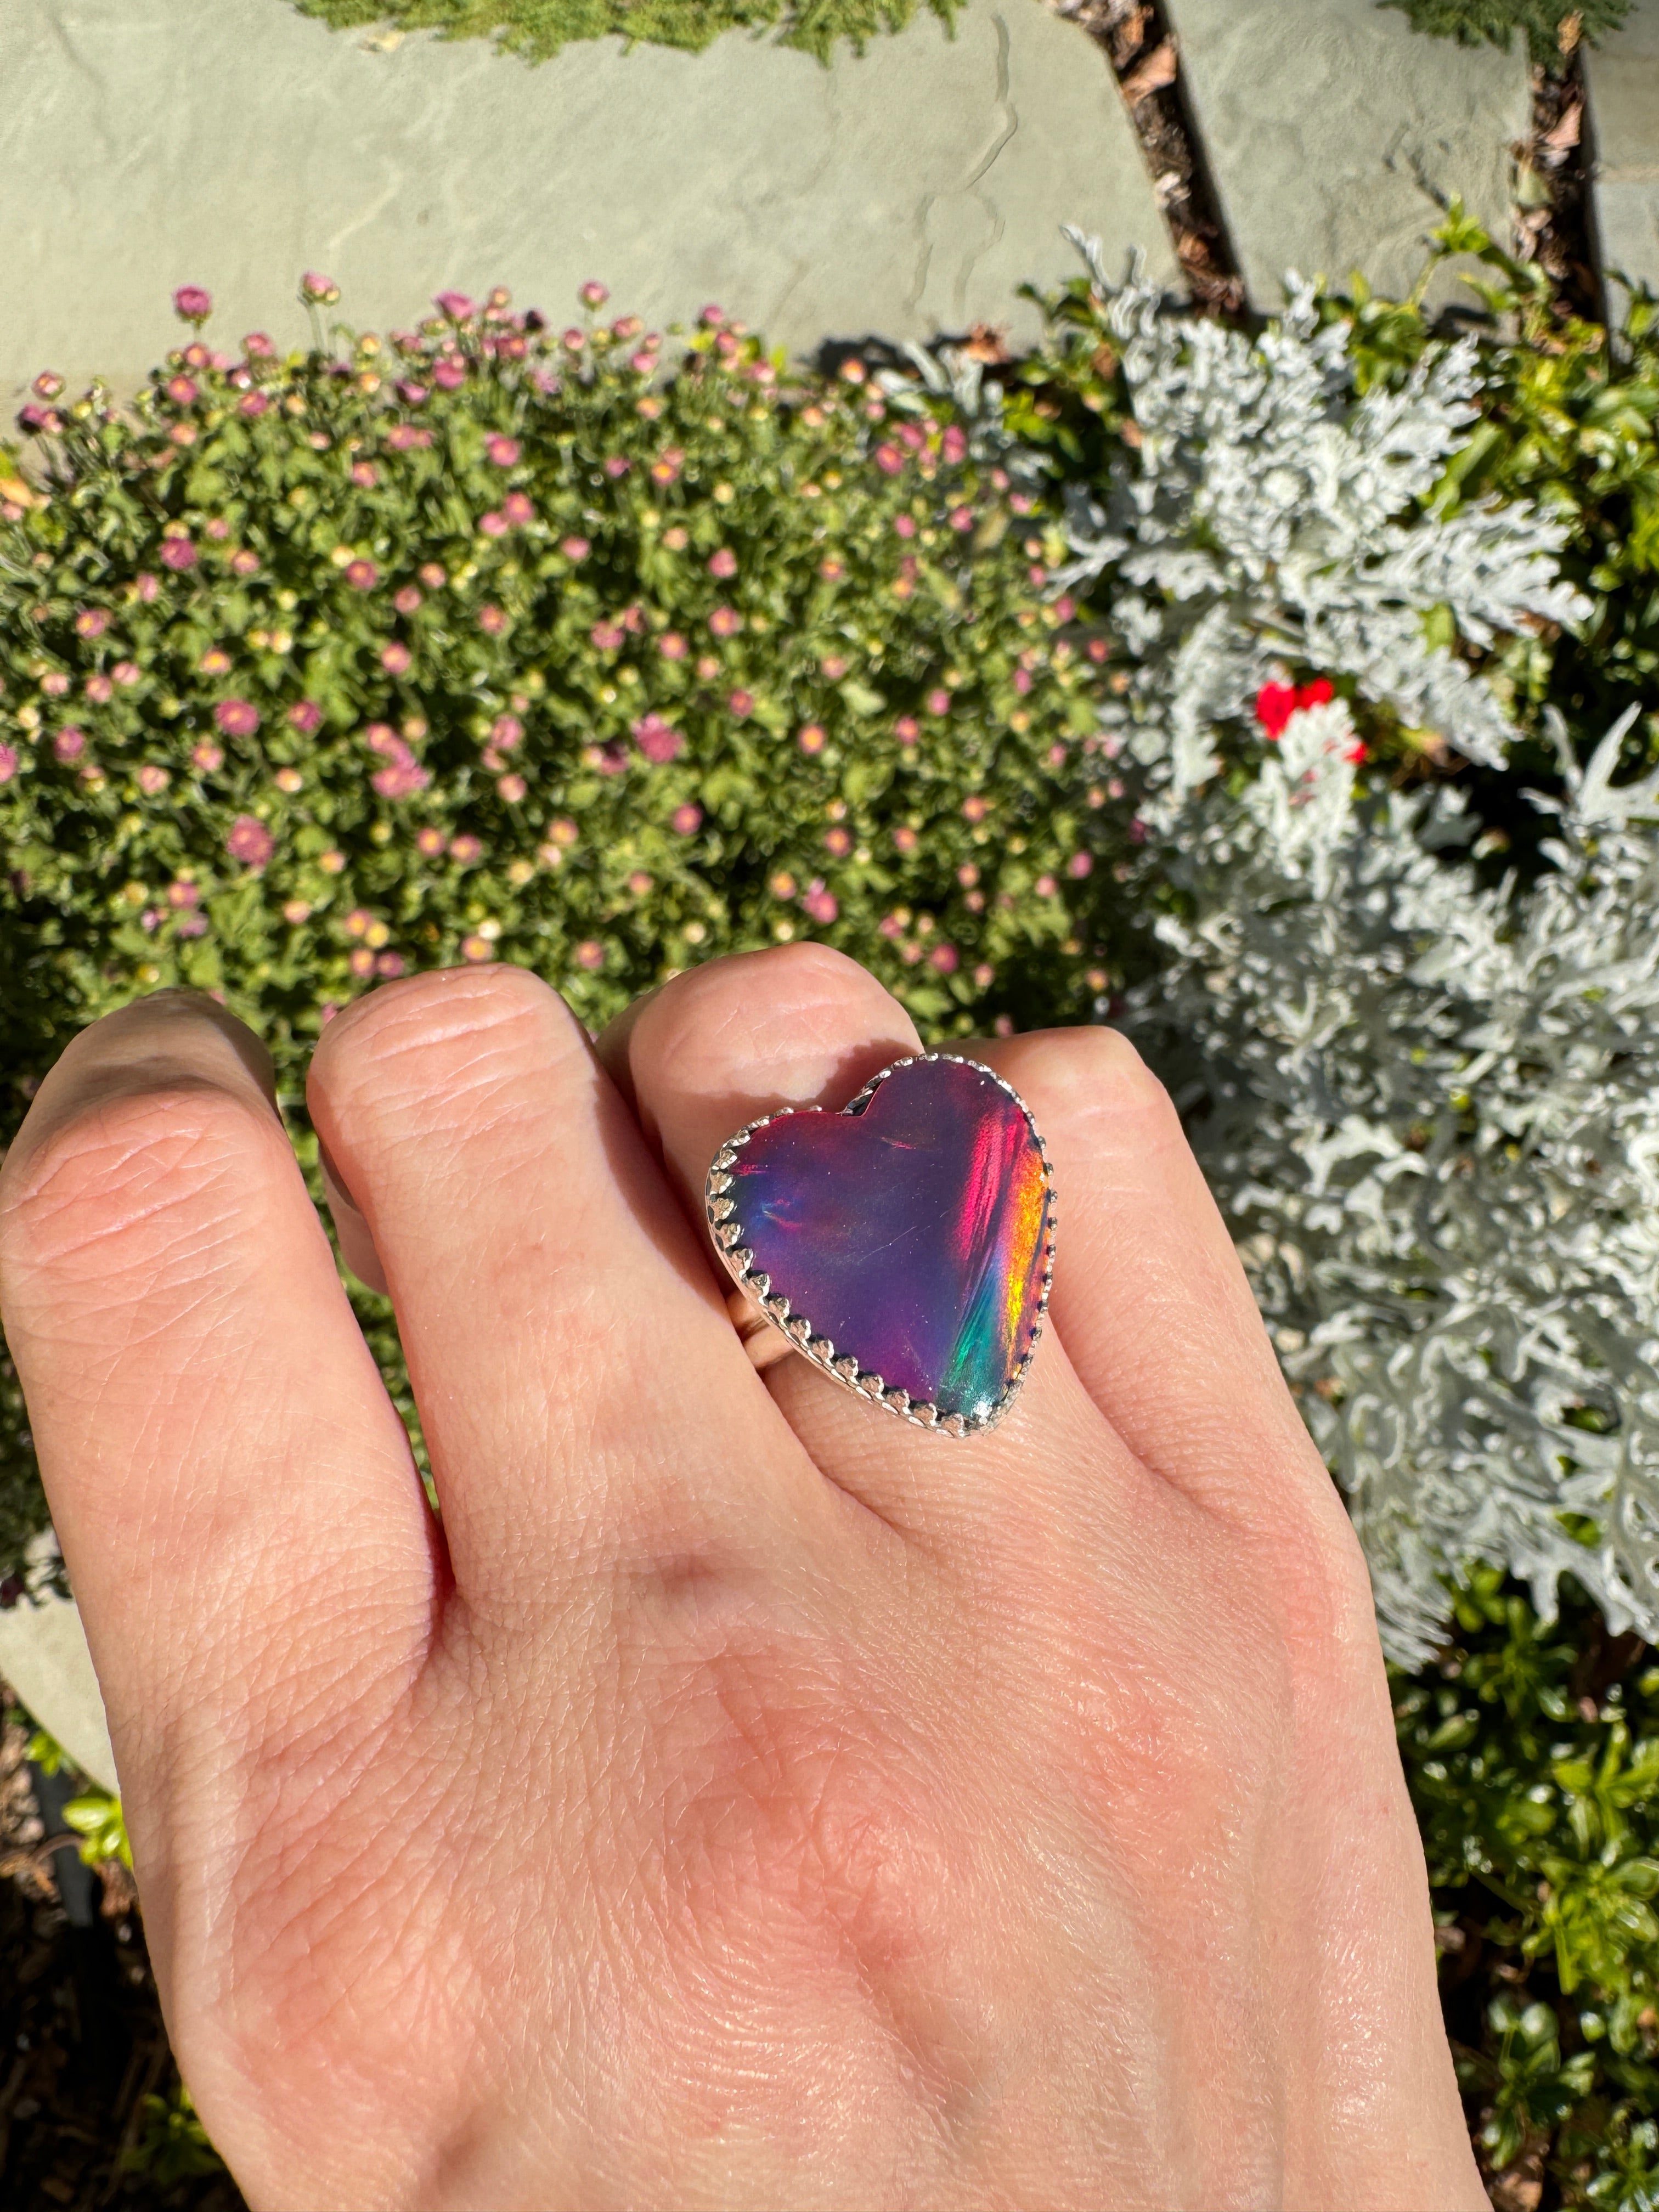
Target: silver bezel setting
797,1328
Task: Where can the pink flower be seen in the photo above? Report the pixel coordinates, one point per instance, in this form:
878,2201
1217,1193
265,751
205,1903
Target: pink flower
316,290
1080,864
244,563
191,304
389,964
831,571
412,394
430,842
975,808
519,507
506,730
207,756
360,961
937,702
69,744
98,689
1064,609
712,317
182,893
306,716
672,646
456,306
401,779
889,460
726,622
905,838
147,586
609,760
905,525
493,525
294,911
407,601
55,684
182,392
476,949
954,443
47,385
432,576
656,739
491,621
396,658
8,763
258,347
177,553
741,704
126,674
574,548
466,851
504,452
594,293
42,419
819,903
574,340
254,404
685,821
906,729
606,636
834,666
1022,681
361,575
590,954
723,563
250,841
961,518
985,975
236,718
945,958
811,738
450,373
1045,887
365,475
617,466
511,788
838,841
91,622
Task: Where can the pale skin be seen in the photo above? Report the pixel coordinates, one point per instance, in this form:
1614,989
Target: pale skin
741,1799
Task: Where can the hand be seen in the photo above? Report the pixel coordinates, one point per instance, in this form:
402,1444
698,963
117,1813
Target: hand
742,1799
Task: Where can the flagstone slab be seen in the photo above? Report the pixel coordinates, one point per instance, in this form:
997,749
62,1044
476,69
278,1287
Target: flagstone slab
1334,132
1622,75
234,143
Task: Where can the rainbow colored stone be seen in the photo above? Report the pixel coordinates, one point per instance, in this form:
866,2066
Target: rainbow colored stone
912,1230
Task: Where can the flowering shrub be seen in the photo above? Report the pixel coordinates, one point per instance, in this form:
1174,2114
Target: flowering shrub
536,29
496,642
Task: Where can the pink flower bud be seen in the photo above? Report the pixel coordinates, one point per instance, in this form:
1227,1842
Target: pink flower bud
685,821
504,452
723,563
594,293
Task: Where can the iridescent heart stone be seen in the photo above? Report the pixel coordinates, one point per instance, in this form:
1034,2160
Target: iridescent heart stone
904,1244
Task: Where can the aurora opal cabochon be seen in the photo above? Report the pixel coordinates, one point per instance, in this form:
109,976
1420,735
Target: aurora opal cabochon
904,1244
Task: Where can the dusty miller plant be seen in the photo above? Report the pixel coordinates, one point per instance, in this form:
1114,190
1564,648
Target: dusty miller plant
1264,512
1431,1111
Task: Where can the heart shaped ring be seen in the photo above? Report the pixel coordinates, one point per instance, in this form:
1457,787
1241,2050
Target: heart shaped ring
904,1245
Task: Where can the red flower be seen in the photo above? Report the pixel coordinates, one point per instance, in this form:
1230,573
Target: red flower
1275,704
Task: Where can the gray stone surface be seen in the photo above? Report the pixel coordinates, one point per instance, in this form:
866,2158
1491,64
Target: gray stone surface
44,1656
1331,128
1623,77
234,143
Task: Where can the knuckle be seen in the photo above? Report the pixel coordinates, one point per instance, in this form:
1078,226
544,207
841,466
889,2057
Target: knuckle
127,1177
1083,1076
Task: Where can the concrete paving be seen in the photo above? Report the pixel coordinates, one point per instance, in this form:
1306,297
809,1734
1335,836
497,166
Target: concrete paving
234,143
1623,79
1333,130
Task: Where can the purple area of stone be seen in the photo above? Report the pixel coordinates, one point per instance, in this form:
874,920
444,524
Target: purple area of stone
913,1234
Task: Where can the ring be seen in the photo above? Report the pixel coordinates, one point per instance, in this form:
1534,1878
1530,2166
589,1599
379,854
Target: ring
904,1245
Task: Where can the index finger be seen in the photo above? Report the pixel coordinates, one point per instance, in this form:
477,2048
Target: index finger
229,1481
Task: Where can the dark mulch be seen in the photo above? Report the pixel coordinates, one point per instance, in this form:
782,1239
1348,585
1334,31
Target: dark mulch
82,2043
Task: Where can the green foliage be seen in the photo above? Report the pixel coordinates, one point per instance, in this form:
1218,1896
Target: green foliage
47,1754
174,2146
96,1817
1532,1750
1545,24
537,29
1569,420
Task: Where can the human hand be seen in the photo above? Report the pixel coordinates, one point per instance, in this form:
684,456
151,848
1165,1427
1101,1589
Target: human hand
743,1799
